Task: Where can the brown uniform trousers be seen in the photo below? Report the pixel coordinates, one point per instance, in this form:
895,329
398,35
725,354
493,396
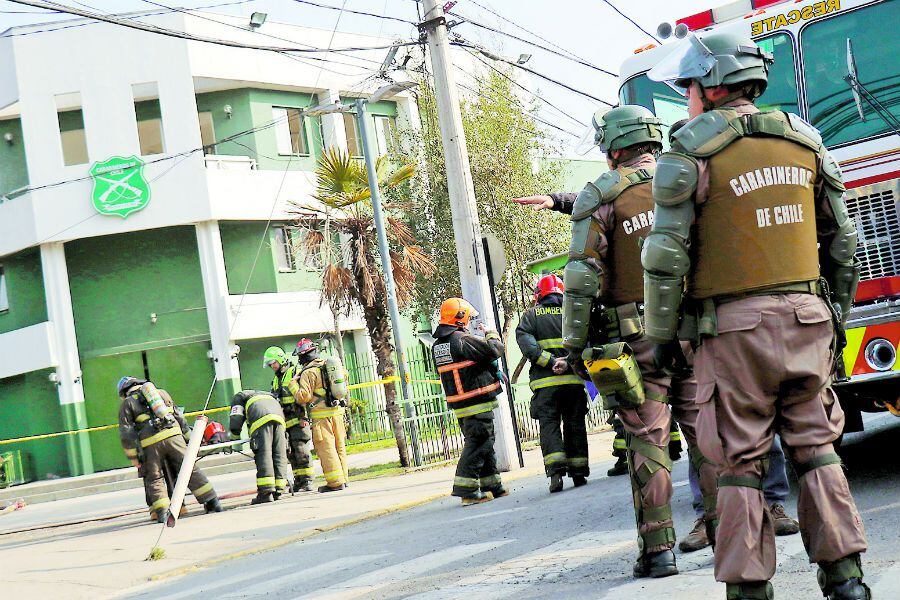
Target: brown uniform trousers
171,450
650,424
768,371
329,438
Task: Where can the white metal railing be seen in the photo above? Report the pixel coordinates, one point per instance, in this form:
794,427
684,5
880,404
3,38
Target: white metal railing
225,162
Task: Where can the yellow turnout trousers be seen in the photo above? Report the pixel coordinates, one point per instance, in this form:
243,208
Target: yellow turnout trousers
329,439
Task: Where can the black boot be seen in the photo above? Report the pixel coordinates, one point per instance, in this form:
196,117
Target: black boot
478,497
498,492
620,468
556,483
327,488
657,564
212,505
302,485
852,589
262,498
842,579
579,480
162,515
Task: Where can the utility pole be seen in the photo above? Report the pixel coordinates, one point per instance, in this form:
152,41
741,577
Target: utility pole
466,226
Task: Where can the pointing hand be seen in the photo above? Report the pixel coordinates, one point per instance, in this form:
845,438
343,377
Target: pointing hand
537,203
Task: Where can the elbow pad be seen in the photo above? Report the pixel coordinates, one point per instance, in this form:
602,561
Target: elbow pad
664,254
843,281
662,301
582,284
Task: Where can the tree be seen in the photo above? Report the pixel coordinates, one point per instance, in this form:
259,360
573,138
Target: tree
505,149
352,274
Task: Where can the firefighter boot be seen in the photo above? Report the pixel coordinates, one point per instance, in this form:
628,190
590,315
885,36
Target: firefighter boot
656,564
162,515
620,468
579,480
751,590
327,488
262,498
478,497
212,506
498,492
842,579
302,485
556,483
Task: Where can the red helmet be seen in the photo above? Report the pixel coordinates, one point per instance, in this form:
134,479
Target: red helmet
211,430
548,284
304,346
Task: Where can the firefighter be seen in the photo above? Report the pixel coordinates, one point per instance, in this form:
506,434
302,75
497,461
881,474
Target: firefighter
467,365
329,435
296,418
265,425
751,255
602,313
147,421
558,394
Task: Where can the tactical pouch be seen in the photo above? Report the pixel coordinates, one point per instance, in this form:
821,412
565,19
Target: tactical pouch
614,371
624,322
707,323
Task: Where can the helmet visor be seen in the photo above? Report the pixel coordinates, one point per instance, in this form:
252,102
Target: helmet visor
690,59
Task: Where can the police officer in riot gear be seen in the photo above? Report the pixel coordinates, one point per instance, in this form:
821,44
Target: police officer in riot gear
751,256
558,394
602,321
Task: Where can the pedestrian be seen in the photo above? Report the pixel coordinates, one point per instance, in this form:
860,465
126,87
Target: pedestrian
147,422
296,418
329,436
609,217
467,365
558,395
751,255
265,424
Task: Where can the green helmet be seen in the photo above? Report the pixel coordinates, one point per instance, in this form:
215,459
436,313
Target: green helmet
720,58
274,354
625,126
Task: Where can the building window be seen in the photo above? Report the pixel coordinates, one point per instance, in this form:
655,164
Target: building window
70,119
385,134
207,131
354,146
149,118
290,131
4,299
284,249
310,254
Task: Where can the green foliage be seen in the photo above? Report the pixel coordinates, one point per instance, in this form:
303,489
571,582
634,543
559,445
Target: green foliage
505,147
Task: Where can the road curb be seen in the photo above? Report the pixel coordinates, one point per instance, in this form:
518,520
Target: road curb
520,474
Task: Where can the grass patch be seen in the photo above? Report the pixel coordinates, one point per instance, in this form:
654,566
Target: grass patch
369,446
156,553
382,470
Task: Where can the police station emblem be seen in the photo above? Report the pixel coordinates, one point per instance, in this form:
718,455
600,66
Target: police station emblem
120,187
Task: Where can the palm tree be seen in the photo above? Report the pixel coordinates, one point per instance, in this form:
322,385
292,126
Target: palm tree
352,274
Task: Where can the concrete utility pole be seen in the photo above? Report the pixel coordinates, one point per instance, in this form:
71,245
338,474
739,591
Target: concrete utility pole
466,227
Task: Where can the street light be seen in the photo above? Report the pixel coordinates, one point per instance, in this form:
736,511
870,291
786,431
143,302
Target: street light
362,124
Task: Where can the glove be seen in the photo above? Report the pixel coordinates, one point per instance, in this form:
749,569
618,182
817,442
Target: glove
234,436
669,358
575,361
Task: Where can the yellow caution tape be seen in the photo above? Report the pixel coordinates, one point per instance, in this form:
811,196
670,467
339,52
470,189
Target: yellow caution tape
391,379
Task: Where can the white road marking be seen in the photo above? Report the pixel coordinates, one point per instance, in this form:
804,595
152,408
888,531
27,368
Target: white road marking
540,566
488,514
366,584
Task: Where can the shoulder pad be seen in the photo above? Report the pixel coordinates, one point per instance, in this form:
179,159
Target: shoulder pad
675,180
587,201
831,171
705,135
804,133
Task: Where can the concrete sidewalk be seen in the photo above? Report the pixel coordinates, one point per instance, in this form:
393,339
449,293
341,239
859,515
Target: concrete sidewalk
102,559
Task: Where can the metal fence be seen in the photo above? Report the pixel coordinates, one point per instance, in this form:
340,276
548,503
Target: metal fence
432,428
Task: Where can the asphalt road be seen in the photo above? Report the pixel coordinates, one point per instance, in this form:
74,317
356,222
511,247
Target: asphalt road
576,544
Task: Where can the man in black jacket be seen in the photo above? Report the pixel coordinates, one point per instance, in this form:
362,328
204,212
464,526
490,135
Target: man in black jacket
467,365
558,393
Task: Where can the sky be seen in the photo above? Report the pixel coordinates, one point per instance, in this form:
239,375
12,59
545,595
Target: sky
589,29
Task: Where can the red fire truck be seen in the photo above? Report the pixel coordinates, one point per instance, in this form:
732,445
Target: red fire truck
836,65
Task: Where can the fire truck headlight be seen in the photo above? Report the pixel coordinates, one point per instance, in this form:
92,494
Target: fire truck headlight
881,354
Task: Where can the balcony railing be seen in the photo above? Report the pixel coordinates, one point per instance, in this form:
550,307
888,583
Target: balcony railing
224,162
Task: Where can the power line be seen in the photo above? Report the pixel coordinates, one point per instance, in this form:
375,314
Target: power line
186,36
493,56
358,12
630,20
331,39
530,43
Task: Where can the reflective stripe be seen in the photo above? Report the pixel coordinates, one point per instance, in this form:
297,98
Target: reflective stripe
545,382
578,461
161,503
555,457
551,344
160,436
304,472
476,392
265,419
675,436
334,476
491,481
456,366
291,422
475,409
465,482
325,413
252,400
281,483
544,359
202,490
142,418
264,481
619,444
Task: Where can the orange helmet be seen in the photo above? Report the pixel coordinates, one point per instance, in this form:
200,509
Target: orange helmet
548,284
456,312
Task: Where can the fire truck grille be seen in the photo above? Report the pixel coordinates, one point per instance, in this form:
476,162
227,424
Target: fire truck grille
878,226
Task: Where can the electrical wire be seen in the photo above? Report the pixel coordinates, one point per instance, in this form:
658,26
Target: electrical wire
536,45
632,21
331,39
358,12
